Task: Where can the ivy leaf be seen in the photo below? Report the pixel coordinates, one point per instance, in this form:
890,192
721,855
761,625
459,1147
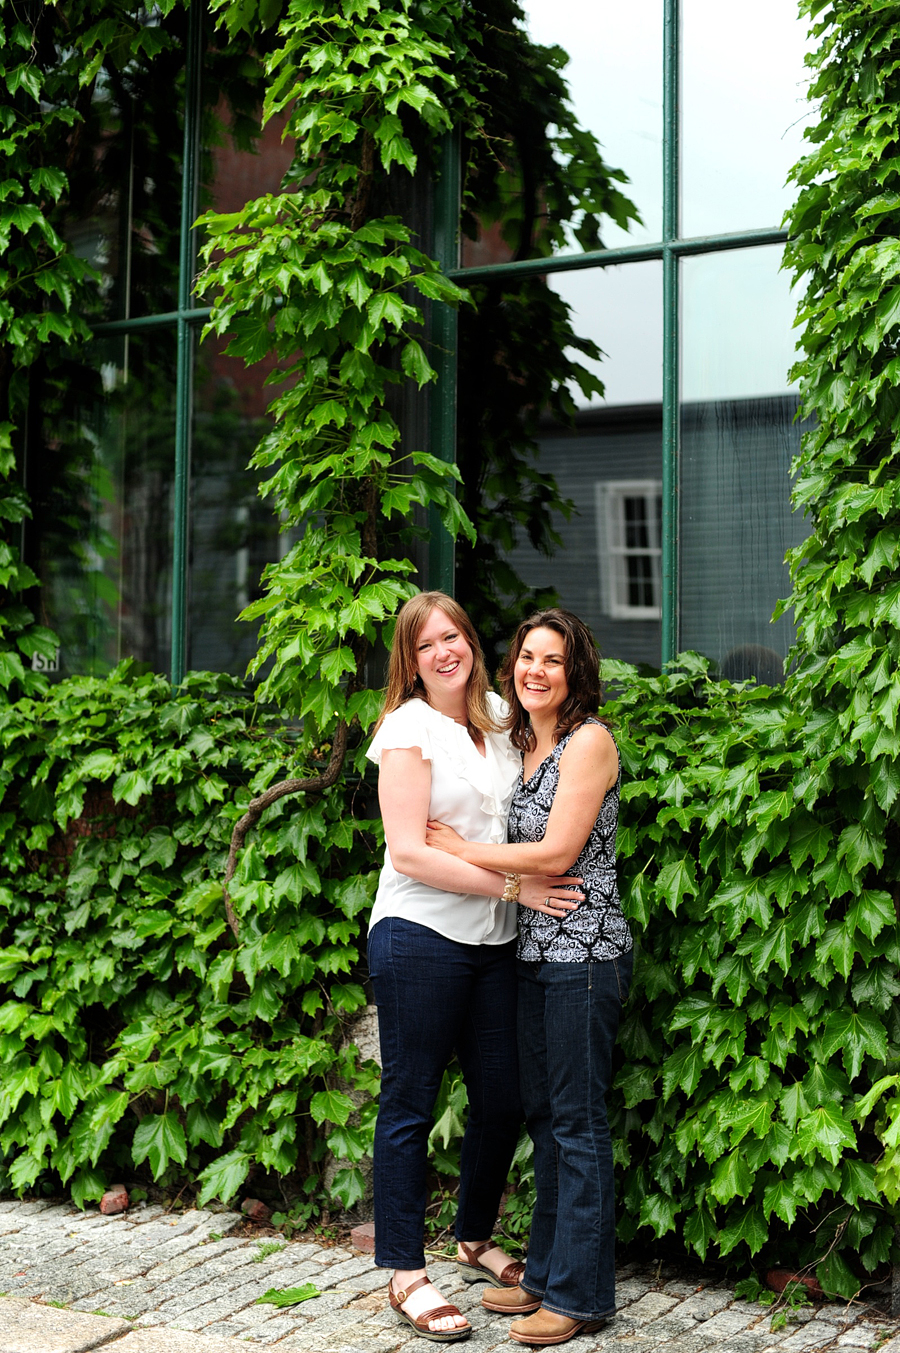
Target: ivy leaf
348,1187
825,1131
861,848
202,1126
676,881
88,1186
658,1211
224,1177
855,1034
288,1296
749,1228
731,1178
682,1071
699,1229
872,912
781,1199
161,1138
858,1181
416,364
836,1278
331,1106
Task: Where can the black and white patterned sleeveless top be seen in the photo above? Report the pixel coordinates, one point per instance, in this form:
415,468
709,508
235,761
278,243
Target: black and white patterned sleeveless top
597,930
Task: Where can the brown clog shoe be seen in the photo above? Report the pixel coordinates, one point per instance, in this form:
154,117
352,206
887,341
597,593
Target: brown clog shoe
546,1327
510,1301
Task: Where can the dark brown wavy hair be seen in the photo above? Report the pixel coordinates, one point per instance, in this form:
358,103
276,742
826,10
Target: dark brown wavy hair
404,682
582,673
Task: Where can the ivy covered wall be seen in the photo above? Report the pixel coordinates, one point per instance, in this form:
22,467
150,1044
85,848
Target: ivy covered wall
757,1108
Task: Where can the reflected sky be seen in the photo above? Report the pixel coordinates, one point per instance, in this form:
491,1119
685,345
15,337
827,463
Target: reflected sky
737,312
615,75
621,310
744,110
743,97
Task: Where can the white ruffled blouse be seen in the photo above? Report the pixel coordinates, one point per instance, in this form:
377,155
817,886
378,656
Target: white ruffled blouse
472,794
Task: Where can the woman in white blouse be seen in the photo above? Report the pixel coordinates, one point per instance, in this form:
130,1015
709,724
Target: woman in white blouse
441,953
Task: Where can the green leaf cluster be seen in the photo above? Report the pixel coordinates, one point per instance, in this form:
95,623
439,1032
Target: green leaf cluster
136,1034
767,975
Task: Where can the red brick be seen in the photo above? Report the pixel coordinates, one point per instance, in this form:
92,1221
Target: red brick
255,1210
114,1200
363,1237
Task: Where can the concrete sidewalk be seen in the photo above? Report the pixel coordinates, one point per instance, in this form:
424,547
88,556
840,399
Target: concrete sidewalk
151,1282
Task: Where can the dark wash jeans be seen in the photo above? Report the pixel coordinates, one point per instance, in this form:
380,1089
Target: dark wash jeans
436,997
568,1021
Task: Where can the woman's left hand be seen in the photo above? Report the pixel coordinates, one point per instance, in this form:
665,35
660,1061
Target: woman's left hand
442,837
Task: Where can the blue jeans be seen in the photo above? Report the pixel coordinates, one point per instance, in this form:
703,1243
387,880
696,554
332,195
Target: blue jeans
568,1021
436,997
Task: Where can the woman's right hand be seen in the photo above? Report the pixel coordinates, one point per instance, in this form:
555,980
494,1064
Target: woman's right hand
552,896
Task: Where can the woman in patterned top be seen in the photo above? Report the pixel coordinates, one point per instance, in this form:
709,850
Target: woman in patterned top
574,972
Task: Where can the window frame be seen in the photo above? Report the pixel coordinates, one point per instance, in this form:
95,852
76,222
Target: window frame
670,249
607,494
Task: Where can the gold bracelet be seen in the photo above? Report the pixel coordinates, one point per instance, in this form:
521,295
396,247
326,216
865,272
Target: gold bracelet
511,888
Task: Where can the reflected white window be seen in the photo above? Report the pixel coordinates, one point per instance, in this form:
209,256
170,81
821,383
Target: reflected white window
629,527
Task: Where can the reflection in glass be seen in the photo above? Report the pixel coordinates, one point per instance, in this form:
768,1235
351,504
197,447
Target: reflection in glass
737,325
620,309
606,569
234,533
126,178
565,492
101,484
738,437
744,107
125,167
614,73
546,173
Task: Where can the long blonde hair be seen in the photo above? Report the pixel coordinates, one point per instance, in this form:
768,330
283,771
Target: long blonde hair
404,682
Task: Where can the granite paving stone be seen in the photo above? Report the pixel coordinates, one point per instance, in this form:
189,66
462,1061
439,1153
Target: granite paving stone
164,1285
651,1306
171,1341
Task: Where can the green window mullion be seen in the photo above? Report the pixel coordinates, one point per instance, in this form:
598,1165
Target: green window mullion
184,386
670,398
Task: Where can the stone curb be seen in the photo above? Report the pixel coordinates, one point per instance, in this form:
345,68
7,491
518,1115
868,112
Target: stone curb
29,1327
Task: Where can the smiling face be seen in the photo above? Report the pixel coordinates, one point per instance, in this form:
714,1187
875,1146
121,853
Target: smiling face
444,663
540,673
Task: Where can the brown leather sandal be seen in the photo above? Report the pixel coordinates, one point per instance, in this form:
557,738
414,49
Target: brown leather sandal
475,1272
421,1325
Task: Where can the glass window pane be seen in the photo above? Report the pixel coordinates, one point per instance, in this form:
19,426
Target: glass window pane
737,328
613,67
738,437
744,107
606,564
234,532
614,73
620,309
126,178
101,483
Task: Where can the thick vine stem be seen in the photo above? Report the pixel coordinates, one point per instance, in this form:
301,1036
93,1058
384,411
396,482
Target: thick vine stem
258,806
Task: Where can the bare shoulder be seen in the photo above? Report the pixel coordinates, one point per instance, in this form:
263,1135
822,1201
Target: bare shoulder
592,738
592,748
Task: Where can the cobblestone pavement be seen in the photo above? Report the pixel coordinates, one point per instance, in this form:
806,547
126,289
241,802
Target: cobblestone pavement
151,1282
